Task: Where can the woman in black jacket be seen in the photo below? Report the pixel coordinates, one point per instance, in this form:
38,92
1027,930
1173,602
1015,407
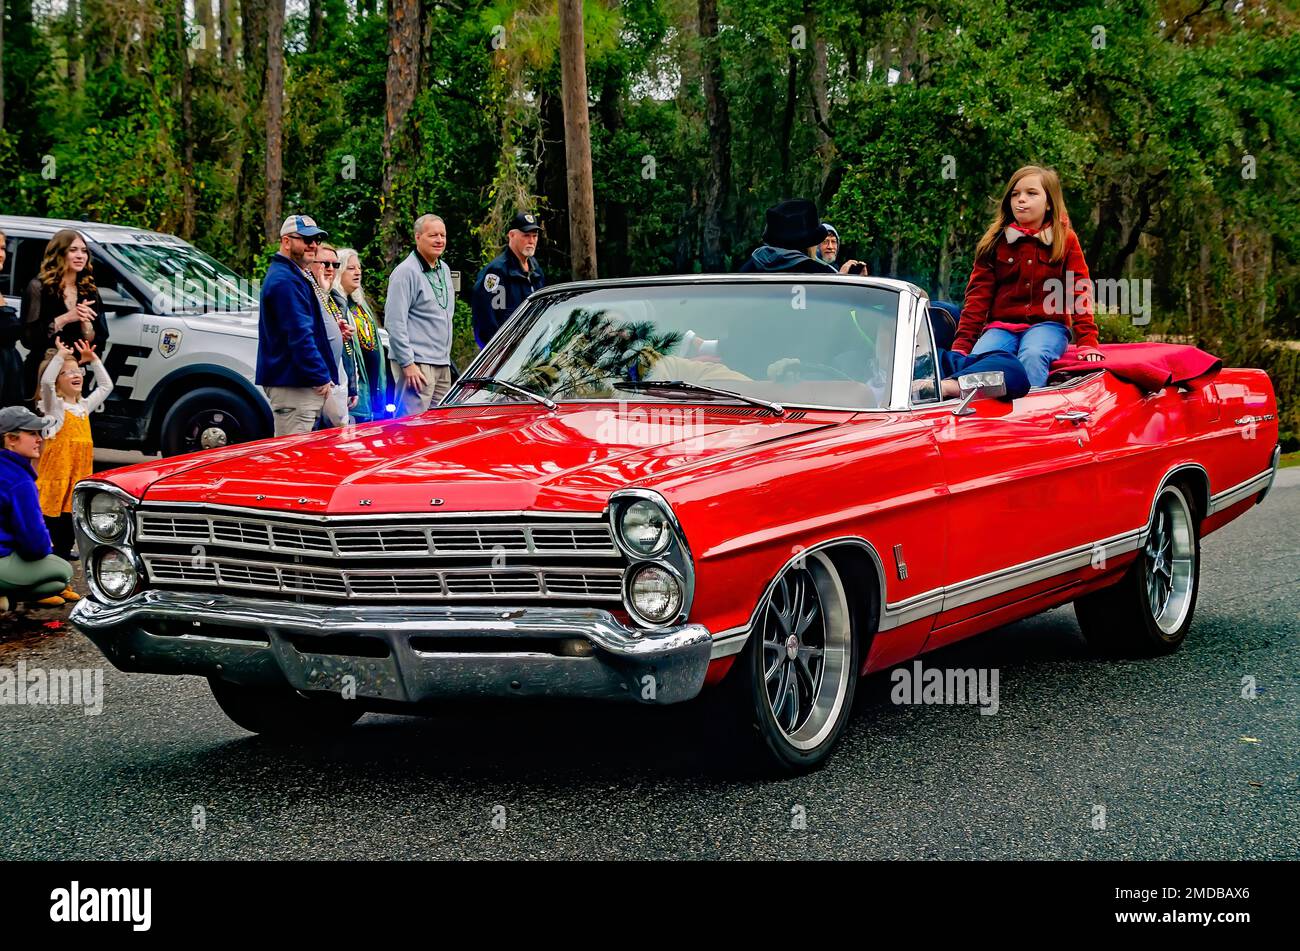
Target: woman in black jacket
63,301
11,331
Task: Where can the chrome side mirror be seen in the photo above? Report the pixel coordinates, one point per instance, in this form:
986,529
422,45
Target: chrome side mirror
992,383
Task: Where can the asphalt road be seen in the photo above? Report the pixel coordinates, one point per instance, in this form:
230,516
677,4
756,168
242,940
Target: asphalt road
1183,765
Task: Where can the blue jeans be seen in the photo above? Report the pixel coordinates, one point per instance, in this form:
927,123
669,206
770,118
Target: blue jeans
1035,348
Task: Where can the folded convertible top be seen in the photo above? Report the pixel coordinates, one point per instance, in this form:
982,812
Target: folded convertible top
1149,366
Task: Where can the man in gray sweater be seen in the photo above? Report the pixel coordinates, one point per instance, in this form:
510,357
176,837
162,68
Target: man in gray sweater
418,315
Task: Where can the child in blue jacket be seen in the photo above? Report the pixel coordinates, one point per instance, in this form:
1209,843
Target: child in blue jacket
28,570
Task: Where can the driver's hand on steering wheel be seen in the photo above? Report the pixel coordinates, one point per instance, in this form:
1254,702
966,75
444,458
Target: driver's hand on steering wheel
785,370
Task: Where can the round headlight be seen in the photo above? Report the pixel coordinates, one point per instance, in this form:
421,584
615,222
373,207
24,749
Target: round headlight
645,528
115,573
107,515
656,594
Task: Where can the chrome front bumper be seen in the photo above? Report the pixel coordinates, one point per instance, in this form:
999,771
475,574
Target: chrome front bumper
399,654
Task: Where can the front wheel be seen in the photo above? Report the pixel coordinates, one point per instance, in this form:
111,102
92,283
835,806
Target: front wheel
795,679
282,712
209,418
1148,612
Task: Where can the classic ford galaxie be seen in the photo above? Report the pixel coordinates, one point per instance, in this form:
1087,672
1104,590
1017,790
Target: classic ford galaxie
747,486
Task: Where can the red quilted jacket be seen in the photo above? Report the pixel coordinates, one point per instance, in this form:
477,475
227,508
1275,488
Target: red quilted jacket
1012,287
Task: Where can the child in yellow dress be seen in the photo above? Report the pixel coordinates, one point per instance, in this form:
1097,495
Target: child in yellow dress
68,455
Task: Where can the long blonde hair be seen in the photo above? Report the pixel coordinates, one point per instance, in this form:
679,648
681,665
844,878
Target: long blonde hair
1056,215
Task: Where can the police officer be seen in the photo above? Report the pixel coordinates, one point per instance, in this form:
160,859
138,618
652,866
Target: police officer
510,277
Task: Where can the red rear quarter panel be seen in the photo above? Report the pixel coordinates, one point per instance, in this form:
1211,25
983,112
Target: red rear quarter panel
1140,438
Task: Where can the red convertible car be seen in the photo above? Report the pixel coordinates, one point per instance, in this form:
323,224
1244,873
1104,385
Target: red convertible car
746,486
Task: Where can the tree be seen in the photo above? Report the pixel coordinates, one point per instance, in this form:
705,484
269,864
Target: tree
577,140
405,31
717,182
2,64
226,13
274,117
187,114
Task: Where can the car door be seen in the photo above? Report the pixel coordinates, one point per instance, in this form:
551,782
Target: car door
1022,486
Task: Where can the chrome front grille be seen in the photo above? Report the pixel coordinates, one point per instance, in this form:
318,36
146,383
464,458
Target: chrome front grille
378,541
488,559
601,584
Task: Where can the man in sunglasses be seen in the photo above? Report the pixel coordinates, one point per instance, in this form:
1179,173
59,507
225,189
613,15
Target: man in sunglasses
295,364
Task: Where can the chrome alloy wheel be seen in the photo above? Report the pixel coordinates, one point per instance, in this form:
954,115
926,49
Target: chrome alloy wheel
806,642
1170,555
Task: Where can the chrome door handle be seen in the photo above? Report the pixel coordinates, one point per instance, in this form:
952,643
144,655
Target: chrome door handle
1074,416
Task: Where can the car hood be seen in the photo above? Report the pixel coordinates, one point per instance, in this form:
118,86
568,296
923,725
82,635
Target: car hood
470,459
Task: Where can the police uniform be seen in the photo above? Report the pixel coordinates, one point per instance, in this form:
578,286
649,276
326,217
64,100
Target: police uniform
502,286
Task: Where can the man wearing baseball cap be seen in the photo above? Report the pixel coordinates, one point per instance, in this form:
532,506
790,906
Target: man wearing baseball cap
509,277
295,364
28,569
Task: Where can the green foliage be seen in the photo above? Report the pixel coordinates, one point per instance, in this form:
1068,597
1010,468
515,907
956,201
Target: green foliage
1118,328
1177,137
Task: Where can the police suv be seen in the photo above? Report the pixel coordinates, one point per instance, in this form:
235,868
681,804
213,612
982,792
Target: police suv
182,336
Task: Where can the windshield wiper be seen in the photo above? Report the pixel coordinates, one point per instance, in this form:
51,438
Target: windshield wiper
477,381
697,388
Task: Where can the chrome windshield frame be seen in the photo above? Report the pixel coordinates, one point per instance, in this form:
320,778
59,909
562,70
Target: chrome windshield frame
909,296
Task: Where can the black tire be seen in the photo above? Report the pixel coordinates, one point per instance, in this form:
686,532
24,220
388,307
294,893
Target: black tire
207,418
1126,619
795,732
282,713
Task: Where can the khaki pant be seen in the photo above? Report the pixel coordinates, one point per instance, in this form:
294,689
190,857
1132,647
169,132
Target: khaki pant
412,400
295,408
33,579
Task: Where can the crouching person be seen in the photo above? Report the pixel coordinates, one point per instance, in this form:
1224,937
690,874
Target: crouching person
28,570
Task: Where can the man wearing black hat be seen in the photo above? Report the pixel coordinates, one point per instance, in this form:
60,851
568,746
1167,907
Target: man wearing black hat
510,277
28,569
790,240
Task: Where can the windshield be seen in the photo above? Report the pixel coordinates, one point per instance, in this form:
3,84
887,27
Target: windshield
184,280
817,344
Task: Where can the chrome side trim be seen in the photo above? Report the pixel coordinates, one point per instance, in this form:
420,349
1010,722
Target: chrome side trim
1244,490
1277,458
732,640
935,601
1168,477
1006,580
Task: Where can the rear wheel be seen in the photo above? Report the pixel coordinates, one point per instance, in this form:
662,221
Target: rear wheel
282,712
792,686
208,418
1148,612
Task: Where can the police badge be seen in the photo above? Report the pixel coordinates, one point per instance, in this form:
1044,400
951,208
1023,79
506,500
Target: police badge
169,342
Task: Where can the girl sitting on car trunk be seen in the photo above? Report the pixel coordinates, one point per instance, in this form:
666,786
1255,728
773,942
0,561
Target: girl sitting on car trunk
1029,287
